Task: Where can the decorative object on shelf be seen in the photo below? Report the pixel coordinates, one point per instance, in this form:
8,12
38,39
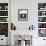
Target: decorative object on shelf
6,7
31,27
0,7
40,25
3,13
13,27
4,26
42,32
41,19
3,19
4,29
41,6
43,13
23,14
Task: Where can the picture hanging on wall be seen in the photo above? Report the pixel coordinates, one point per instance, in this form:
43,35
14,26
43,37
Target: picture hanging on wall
23,14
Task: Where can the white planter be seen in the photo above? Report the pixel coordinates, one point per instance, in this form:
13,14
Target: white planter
22,43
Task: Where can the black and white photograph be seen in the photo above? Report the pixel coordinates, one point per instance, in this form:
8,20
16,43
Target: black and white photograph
23,14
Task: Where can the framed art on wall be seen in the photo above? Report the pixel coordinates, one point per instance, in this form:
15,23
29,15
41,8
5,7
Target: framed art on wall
23,14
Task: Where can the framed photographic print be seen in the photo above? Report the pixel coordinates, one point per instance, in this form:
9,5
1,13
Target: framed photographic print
23,14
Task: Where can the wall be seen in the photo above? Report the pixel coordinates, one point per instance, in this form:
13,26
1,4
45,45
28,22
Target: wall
32,13
32,6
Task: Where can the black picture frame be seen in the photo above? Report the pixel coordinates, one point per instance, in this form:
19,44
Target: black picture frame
22,14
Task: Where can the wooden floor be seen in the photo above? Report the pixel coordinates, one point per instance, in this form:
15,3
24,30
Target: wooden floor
3,45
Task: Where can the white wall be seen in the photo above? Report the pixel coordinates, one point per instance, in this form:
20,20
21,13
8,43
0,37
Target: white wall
32,13
32,6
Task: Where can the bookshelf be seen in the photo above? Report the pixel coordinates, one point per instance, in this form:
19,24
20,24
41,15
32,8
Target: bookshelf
42,19
4,19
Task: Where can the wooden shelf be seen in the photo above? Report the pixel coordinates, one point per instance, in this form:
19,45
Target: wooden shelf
41,10
3,22
3,10
3,16
42,16
41,22
41,28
